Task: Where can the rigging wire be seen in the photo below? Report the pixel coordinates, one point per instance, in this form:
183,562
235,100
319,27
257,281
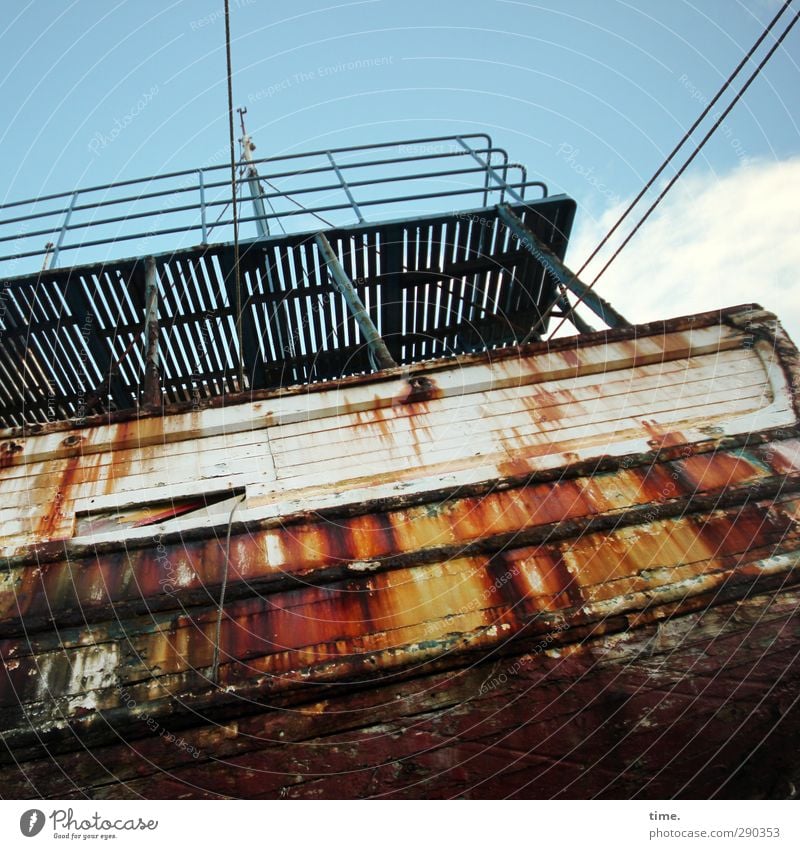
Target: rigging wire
684,139
236,269
692,156
225,208
625,213
296,203
277,217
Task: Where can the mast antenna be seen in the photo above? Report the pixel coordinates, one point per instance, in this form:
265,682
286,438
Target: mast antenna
252,177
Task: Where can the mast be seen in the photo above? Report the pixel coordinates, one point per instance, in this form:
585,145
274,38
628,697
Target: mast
252,177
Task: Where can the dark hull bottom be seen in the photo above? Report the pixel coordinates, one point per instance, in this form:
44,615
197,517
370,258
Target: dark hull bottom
702,705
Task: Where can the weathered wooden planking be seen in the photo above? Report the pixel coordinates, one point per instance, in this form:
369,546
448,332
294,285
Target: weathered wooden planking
659,711
478,373
389,615
384,530
741,365
488,423
432,577
424,444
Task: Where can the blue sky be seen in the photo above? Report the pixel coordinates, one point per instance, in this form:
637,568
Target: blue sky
589,95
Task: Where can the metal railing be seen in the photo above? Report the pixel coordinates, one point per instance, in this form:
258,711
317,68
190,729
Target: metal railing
336,183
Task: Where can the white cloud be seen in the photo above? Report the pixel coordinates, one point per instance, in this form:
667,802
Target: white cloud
712,242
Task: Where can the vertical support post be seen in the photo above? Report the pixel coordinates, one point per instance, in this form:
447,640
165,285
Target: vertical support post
62,234
203,205
152,383
345,187
558,271
487,167
354,303
487,180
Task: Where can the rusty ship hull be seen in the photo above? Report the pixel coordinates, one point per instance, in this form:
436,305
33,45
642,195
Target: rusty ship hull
566,569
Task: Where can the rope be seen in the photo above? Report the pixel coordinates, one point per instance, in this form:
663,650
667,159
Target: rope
218,629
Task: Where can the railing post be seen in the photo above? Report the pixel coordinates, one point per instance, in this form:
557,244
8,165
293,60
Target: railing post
487,167
60,240
203,206
490,172
346,188
487,180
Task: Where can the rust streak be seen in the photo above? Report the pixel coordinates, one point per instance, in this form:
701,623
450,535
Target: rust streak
51,520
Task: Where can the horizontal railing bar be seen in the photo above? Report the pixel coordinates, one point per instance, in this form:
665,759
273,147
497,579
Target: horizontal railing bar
282,158
385,201
360,183
453,172
221,183
373,162
133,216
86,225
403,143
126,264
377,162
309,211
